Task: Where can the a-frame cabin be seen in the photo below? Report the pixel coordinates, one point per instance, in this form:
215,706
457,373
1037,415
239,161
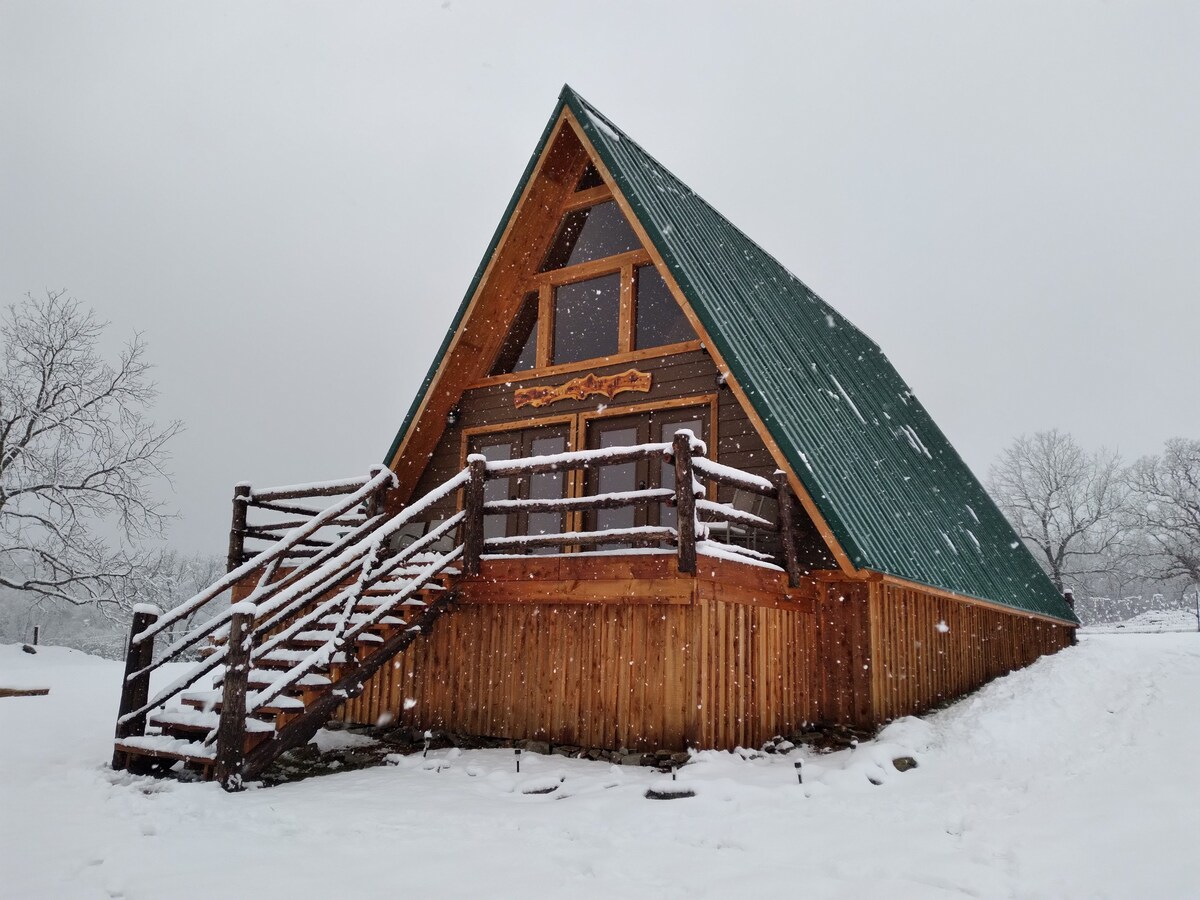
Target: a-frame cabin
675,499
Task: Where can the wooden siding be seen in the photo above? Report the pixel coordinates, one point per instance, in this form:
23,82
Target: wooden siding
927,649
631,656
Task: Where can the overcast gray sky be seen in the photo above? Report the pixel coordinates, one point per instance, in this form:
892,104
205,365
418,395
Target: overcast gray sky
290,199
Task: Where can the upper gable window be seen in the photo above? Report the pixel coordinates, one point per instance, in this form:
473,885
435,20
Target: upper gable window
589,179
519,350
660,320
586,319
592,233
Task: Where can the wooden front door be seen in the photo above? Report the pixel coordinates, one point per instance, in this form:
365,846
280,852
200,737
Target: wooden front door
541,441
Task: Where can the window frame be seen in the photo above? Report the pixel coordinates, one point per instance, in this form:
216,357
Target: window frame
545,284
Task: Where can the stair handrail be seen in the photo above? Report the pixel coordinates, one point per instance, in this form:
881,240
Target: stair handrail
302,591
385,477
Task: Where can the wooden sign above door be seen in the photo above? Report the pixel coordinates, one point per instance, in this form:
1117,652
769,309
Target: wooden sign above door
581,388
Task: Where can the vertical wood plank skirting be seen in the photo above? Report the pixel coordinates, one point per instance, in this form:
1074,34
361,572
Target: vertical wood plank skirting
721,666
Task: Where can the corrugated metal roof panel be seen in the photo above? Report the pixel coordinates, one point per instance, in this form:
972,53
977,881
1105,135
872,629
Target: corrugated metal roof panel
896,494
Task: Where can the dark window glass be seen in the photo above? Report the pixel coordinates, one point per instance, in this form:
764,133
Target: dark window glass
617,477
586,316
660,320
496,525
589,179
519,350
547,486
587,234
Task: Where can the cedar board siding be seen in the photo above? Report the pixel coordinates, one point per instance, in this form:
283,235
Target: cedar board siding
625,652
916,665
719,660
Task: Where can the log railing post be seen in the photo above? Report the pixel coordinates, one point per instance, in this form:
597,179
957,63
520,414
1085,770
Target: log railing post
377,502
231,729
685,501
473,497
135,691
237,528
786,523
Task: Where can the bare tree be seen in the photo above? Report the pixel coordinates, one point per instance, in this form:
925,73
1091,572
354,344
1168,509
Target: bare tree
79,455
1066,504
1167,489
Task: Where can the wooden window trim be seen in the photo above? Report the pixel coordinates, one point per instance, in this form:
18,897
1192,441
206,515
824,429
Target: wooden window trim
597,267
627,314
591,197
571,421
543,371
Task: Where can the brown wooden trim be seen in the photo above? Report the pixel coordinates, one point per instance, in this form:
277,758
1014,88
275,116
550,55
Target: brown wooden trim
583,199
594,269
802,494
564,368
626,318
545,341
522,425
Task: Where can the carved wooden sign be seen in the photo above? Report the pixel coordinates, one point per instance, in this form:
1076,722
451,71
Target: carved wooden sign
583,387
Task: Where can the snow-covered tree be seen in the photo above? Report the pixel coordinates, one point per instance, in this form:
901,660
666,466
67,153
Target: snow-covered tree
1167,490
1068,505
79,456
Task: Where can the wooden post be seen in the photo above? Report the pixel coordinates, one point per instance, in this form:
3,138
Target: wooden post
135,692
473,513
237,528
37,633
231,730
786,523
377,502
685,502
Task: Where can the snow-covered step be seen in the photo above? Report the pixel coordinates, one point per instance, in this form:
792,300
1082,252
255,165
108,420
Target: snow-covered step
208,700
195,719
169,747
269,676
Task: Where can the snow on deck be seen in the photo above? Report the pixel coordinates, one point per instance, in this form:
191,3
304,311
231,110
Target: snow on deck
1075,777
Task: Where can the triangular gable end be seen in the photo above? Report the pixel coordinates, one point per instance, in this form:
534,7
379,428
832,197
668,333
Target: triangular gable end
496,321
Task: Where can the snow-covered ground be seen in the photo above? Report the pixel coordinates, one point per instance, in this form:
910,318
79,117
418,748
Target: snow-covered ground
1077,777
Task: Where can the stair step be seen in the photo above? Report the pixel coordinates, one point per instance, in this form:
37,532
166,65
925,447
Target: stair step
195,720
160,745
211,700
265,677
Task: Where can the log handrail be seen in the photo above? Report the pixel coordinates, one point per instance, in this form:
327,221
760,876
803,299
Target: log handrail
293,537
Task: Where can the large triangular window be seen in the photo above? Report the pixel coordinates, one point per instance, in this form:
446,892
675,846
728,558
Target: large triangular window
591,233
519,350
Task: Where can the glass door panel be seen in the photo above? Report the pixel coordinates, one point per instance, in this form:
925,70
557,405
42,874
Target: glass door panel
546,486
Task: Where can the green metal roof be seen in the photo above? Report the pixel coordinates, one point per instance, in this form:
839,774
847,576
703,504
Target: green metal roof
897,496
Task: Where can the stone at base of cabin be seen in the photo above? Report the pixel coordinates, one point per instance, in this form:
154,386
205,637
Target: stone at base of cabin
567,750
638,759
535,746
904,763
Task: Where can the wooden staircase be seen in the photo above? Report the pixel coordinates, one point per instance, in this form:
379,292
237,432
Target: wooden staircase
303,642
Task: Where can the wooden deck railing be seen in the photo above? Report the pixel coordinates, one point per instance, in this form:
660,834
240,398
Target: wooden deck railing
320,562
695,513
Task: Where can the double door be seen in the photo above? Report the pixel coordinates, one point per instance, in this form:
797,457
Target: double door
597,432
